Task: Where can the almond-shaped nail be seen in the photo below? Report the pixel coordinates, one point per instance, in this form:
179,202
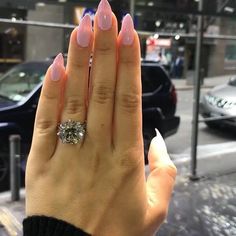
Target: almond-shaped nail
56,68
104,14
84,31
161,142
127,30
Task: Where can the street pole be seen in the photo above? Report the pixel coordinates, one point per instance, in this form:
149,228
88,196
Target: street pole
132,8
196,97
15,166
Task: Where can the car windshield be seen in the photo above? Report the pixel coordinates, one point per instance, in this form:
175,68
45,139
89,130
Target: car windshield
17,83
232,81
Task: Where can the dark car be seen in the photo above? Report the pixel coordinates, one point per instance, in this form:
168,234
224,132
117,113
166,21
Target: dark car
19,94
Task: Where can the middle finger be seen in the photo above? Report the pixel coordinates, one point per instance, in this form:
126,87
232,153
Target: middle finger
103,75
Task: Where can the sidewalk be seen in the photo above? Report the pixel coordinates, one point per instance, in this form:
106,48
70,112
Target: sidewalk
182,84
203,208
11,214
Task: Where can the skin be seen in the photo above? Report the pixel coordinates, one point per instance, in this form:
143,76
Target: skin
98,185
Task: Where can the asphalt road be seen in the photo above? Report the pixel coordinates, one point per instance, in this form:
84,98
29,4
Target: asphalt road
181,142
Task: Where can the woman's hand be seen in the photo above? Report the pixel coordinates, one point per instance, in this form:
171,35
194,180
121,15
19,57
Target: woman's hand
99,184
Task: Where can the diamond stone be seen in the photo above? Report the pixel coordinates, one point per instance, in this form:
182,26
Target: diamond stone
71,132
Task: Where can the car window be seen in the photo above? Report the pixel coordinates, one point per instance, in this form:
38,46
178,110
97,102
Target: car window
21,80
232,81
153,77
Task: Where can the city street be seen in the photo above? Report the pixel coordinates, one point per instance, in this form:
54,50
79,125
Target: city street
181,142
91,49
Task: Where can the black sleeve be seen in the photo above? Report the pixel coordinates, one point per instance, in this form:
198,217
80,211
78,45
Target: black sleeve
48,226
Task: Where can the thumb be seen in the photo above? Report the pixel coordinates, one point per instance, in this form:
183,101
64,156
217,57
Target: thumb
161,179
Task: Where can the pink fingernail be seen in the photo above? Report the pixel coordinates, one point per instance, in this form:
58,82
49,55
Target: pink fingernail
104,14
56,68
127,30
84,31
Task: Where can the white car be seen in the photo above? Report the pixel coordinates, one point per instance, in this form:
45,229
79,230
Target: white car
220,104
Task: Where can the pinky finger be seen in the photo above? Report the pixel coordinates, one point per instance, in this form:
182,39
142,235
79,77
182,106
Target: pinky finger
45,127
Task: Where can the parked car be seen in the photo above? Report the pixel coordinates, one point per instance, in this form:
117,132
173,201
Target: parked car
19,94
220,102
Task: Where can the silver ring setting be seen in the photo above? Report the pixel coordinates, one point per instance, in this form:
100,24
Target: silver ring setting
71,132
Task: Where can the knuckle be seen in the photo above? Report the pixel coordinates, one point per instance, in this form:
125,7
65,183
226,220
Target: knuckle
169,169
105,48
45,126
74,105
49,96
129,160
128,61
77,63
103,94
130,102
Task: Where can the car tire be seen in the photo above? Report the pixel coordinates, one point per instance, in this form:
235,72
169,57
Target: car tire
4,170
211,124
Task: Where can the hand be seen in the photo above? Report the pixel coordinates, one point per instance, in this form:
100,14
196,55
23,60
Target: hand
99,184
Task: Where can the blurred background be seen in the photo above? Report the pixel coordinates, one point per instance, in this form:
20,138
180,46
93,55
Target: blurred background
188,59
165,26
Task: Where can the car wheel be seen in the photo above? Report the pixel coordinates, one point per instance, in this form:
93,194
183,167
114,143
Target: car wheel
148,135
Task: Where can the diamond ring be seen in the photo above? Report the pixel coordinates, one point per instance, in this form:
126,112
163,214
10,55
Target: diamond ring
71,132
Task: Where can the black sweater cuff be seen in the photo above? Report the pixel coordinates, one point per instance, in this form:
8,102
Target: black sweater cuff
48,226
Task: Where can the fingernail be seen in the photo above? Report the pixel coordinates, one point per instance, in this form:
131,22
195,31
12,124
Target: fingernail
157,132
161,142
127,30
56,68
84,31
104,14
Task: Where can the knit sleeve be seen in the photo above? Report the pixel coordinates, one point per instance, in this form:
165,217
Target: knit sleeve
48,226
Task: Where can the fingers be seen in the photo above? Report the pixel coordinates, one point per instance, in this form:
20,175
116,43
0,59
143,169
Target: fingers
161,180
128,110
103,76
77,71
45,138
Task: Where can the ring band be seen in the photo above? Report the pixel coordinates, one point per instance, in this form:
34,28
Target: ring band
71,132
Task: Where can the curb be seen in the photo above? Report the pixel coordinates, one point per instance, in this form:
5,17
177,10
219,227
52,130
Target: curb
184,88
212,159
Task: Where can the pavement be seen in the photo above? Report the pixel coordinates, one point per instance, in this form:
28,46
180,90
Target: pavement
206,207
202,208
208,82
11,214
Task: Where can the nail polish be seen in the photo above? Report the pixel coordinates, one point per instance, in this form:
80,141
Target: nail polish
104,14
161,142
56,67
84,31
127,30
